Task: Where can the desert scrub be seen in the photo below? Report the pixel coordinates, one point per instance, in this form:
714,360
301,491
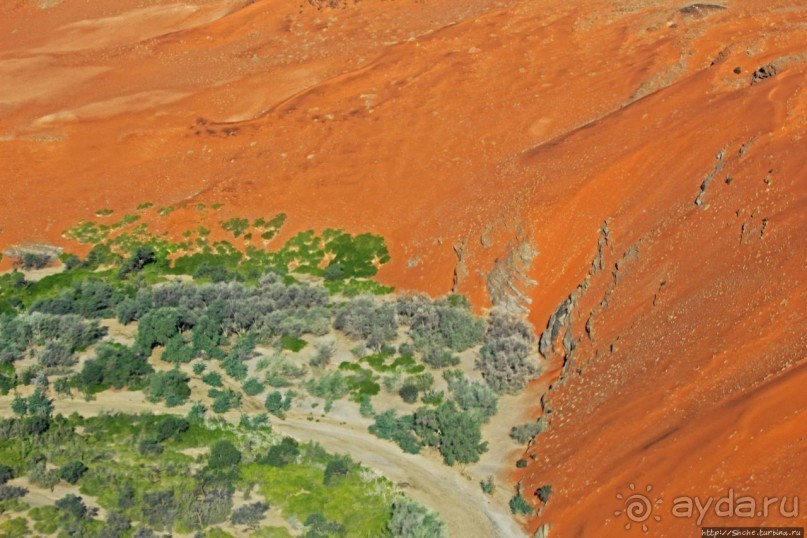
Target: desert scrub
524,433
137,470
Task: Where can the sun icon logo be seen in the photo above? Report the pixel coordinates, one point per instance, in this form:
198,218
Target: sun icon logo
638,507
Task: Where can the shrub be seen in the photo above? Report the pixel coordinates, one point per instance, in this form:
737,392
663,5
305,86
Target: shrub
318,526
398,429
292,343
159,509
56,353
73,505
503,359
72,471
126,496
330,387
524,433
141,257
521,463
323,355
116,525
39,404
160,325
234,367
249,515
423,381
6,474
439,358
236,226
366,406
432,397
197,413
487,485
34,260
210,508
458,327
409,393
6,384
19,405
519,505
150,448
474,397
356,255
544,493
90,298
15,527
177,351
171,427
212,378
223,455
456,434
41,476
411,520
129,310
115,365
363,319
171,386
274,403
224,400
12,492
336,468
283,453
252,387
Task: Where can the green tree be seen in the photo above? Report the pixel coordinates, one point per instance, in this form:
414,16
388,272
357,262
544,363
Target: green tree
19,405
283,453
72,471
274,403
171,427
336,468
223,455
73,505
159,325
177,351
119,364
39,404
171,386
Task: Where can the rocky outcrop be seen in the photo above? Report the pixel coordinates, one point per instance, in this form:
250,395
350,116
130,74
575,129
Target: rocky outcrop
508,282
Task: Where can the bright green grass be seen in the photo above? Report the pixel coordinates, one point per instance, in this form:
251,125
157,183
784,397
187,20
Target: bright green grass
361,506
292,344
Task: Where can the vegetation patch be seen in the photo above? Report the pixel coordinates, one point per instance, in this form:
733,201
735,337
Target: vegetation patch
224,328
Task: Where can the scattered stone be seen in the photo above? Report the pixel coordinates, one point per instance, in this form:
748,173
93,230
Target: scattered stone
701,9
602,242
542,532
763,228
764,72
708,179
744,148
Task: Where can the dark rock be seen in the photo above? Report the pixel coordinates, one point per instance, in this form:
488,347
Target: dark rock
764,72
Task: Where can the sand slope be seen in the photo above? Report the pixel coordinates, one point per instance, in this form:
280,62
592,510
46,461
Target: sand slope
489,142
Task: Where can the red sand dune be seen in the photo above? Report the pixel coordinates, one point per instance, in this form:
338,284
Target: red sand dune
488,142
